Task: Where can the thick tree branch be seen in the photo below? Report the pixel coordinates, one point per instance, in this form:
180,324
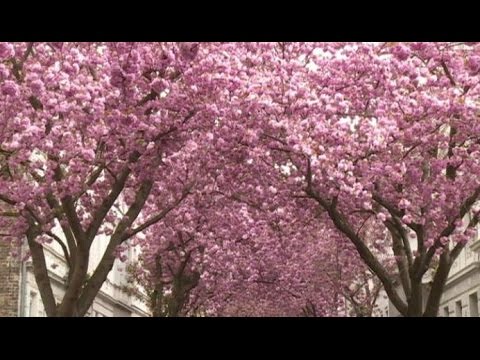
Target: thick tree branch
18,66
154,219
342,224
67,231
100,274
9,214
448,73
40,272
62,245
400,258
91,180
74,221
7,200
438,285
447,231
406,242
394,211
107,203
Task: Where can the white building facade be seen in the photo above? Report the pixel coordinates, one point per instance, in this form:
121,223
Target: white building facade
111,301
462,290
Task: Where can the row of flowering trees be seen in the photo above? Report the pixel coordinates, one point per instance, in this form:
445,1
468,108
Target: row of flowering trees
258,178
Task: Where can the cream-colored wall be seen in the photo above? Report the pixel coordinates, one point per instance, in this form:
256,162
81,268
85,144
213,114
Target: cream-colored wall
111,300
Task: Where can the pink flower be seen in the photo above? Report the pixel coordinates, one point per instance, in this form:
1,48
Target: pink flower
401,52
407,219
37,87
9,88
189,50
158,85
403,204
4,71
57,45
6,51
473,63
88,154
117,77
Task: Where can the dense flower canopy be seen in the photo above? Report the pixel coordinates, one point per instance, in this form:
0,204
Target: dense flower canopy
279,162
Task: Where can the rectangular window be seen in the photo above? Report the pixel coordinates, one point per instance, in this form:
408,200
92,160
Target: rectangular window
32,308
458,308
473,300
446,313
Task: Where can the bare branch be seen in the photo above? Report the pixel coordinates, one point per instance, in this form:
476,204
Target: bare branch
9,214
448,73
7,200
40,272
464,208
107,203
127,235
64,248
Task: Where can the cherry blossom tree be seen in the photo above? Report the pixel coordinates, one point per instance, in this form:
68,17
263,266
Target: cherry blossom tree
101,141
385,133
299,149
233,257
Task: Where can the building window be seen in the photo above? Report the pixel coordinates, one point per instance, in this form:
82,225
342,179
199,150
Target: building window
473,300
458,308
446,313
32,308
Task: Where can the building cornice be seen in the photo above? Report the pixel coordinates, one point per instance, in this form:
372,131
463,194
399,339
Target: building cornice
460,275
475,246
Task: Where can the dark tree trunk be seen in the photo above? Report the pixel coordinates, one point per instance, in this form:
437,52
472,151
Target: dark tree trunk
415,302
69,305
438,285
40,272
